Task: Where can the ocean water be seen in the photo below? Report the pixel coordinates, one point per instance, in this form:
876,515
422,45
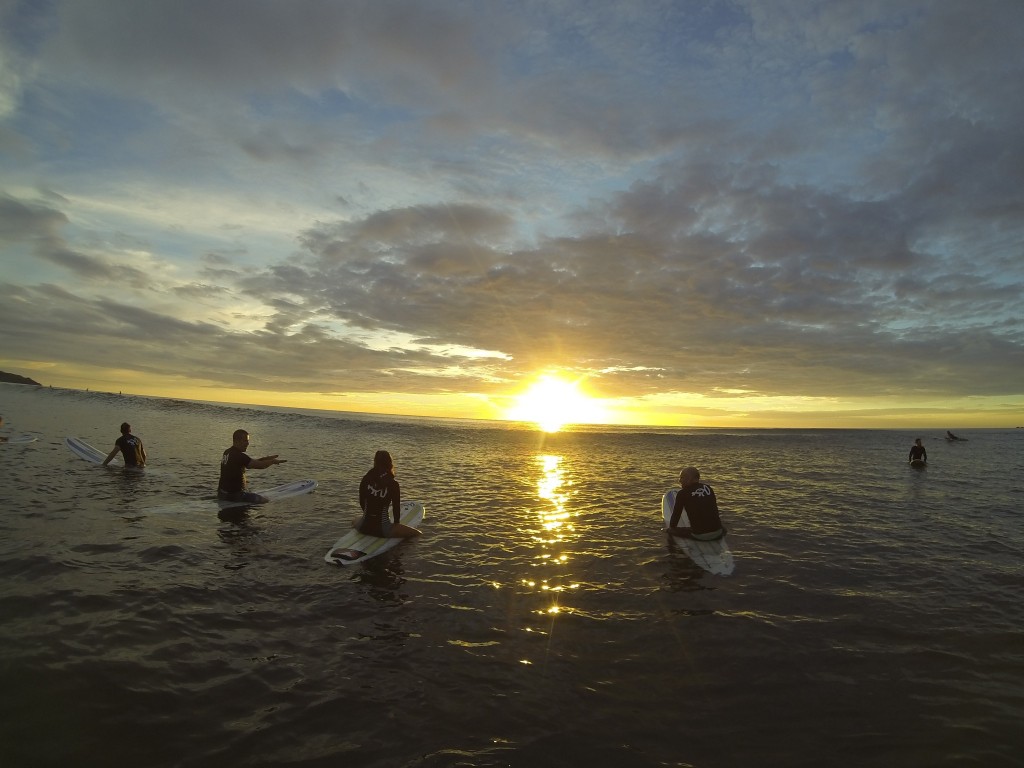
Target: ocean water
874,618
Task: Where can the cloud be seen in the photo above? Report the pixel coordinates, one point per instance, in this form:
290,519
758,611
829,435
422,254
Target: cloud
797,200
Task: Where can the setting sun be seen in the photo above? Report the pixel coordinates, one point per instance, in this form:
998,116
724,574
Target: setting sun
551,403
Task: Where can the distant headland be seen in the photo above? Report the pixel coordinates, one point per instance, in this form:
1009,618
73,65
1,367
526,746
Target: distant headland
13,378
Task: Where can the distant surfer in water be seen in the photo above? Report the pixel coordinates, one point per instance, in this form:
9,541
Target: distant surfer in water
130,447
951,436
378,491
234,462
698,499
3,438
917,452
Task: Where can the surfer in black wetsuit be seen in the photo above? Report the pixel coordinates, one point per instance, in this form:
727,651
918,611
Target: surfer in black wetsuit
130,447
701,506
379,491
233,463
917,452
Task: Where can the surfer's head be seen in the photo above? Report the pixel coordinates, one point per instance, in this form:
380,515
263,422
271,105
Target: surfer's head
240,437
382,462
126,428
688,476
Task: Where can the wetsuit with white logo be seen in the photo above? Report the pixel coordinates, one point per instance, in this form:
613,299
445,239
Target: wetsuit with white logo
378,490
131,449
701,508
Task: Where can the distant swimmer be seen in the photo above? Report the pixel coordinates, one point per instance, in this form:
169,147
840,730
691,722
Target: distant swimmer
233,463
917,451
379,491
130,447
701,506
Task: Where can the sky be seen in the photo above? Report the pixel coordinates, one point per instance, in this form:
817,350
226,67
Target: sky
699,213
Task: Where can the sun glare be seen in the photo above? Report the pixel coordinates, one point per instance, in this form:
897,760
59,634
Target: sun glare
551,403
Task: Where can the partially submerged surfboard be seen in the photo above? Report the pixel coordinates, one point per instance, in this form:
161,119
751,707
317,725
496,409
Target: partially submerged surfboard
918,463
713,556
296,488
83,450
355,547
19,440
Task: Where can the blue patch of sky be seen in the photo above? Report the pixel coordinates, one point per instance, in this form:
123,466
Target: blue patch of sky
88,130
27,24
326,106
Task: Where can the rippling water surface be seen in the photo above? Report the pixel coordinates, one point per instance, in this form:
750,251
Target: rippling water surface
874,618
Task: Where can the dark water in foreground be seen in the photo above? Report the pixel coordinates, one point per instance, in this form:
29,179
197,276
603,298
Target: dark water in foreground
874,619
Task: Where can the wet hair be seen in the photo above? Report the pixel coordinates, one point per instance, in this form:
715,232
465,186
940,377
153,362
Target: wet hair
126,428
238,434
382,462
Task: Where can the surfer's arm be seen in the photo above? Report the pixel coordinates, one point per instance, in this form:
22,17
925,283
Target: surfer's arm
677,511
266,461
111,455
396,499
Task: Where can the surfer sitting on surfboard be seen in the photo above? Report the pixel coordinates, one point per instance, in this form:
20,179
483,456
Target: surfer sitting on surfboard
698,499
130,447
233,463
917,451
378,490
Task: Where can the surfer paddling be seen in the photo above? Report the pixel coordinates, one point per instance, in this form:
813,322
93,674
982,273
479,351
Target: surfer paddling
233,463
701,506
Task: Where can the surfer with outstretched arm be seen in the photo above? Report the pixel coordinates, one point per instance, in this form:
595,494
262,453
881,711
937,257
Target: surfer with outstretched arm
379,491
234,462
701,506
129,446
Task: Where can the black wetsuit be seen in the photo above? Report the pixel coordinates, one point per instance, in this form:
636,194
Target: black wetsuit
701,508
918,452
131,449
379,490
232,473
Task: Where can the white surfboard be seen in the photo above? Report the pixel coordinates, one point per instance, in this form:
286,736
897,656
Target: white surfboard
19,440
83,450
355,547
713,556
212,503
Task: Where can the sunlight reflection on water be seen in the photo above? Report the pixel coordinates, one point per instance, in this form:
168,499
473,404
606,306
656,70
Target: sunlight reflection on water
542,584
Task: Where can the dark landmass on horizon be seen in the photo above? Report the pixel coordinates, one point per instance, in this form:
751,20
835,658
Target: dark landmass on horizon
13,378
